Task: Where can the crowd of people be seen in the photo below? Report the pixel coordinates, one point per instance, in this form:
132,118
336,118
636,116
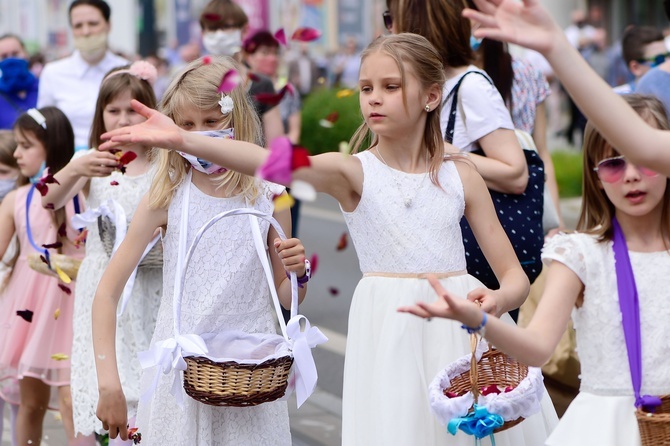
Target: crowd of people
109,170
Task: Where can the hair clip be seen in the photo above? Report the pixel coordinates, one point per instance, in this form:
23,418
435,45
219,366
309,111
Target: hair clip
226,104
38,117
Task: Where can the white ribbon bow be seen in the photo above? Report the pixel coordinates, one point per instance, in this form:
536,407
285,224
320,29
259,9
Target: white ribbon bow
168,357
302,342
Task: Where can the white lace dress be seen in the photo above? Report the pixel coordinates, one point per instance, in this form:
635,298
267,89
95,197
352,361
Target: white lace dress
225,289
392,357
604,412
133,329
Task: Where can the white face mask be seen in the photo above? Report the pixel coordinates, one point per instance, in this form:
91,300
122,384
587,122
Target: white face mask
6,186
222,43
204,166
93,47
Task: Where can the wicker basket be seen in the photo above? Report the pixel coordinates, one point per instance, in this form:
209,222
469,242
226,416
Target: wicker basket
494,368
655,427
233,383
107,230
69,265
236,385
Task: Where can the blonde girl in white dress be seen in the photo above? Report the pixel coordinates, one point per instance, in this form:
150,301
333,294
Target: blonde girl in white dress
225,286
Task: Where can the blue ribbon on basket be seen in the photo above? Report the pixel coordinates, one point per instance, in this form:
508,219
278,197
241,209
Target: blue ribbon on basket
480,423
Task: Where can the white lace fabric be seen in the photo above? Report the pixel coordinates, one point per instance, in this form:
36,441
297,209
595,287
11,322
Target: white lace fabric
133,329
600,339
225,290
392,238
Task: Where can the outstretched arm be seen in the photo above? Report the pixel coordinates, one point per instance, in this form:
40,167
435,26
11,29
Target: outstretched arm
75,175
532,345
332,173
112,409
495,245
529,24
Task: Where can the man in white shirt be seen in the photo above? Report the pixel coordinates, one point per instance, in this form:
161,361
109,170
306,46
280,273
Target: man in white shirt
72,83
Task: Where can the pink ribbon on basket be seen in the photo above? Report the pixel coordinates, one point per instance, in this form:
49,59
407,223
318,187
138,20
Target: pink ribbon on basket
168,357
302,342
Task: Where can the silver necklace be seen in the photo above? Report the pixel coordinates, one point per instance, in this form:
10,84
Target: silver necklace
407,200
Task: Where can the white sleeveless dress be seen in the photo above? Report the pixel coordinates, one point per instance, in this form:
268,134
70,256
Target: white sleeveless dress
392,357
133,330
603,412
225,289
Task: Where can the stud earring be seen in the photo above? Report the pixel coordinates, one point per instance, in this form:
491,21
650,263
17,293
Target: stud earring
427,108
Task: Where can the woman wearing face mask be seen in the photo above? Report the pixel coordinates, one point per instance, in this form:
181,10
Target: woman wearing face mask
18,86
224,27
72,83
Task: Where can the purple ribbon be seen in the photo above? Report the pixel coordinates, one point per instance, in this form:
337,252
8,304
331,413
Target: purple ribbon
630,313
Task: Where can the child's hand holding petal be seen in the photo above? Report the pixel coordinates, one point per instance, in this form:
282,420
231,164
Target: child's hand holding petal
292,254
96,164
112,411
487,300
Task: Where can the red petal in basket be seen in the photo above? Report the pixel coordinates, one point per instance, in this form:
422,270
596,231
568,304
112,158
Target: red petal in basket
509,389
306,34
451,394
229,81
280,36
490,389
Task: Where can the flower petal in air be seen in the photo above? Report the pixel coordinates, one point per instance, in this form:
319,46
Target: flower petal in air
302,190
314,261
26,315
306,34
342,243
229,81
333,291
344,148
206,60
299,158
272,99
65,289
344,93
81,238
211,17
277,166
62,230
60,357
326,124
127,157
280,36
62,276
283,202
49,206
55,245
56,313
113,183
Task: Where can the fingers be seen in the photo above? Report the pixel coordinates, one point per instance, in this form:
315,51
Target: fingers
416,310
142,109
435,283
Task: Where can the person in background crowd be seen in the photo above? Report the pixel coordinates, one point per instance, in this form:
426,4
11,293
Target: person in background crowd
346,64
224,27
643,49
657,80
303,71
72,83
18,86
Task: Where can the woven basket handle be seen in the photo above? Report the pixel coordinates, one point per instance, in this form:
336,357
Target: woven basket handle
474,385
183,260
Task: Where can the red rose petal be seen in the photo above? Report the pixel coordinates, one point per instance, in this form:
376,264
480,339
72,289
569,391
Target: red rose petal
229,81
49,206
490,389
65,289
62,230
211,17
314,262
300,158
114,183
333,117
306,34
206,60
333,291
280,36
342,244
55,245
127,157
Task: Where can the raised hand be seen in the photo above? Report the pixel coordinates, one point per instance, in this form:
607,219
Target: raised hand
446,306
525,23
157,131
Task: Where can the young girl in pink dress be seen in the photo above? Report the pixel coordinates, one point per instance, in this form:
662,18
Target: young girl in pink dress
36,309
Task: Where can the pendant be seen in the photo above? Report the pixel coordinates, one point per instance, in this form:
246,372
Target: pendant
408,202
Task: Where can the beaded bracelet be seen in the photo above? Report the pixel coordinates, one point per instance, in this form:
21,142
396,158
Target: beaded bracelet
479,329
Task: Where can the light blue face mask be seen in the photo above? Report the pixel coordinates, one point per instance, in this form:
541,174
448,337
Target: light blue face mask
204,166
475,43
6,186
38,176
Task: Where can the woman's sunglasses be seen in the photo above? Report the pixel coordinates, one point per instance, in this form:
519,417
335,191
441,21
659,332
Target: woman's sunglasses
388,20
611,170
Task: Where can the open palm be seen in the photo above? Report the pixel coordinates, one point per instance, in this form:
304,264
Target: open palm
527,24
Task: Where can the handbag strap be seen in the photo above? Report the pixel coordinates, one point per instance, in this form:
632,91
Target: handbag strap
184,256
451,124
630,313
